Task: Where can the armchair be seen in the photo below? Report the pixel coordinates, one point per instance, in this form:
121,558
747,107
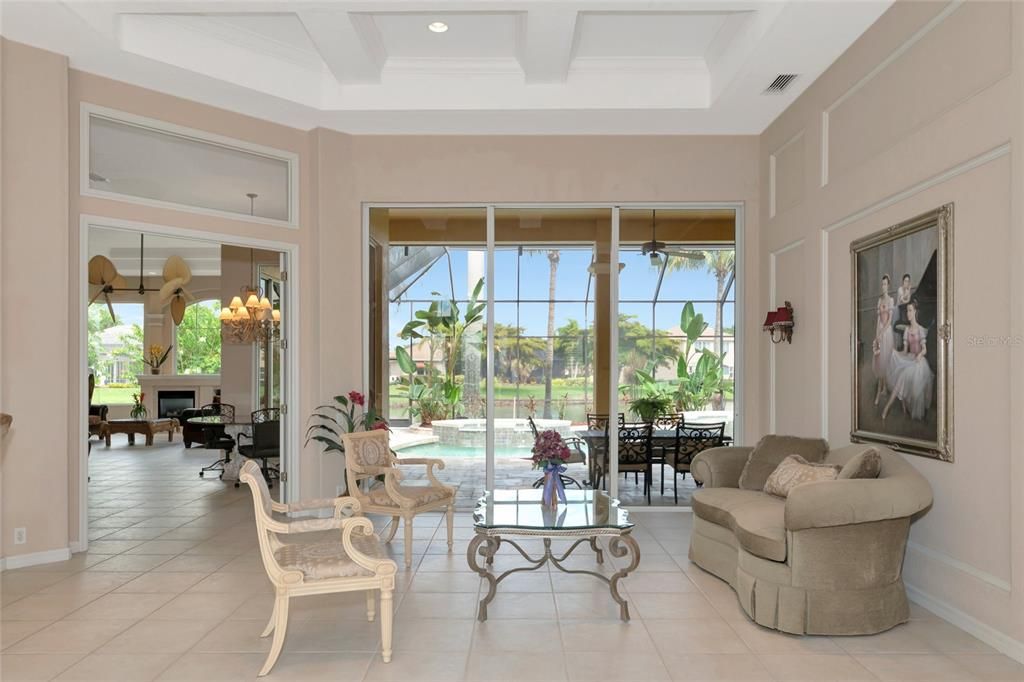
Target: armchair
367,456
97,413
350,563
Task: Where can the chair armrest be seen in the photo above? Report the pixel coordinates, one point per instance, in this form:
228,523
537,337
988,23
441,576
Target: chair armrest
361,525
850,501
430,464
339,504
243,434
720,467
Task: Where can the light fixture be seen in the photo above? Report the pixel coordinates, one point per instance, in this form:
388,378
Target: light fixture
437,26
250,317
779,324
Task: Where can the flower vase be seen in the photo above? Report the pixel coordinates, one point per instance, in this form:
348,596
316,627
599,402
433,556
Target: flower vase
553,488
154,370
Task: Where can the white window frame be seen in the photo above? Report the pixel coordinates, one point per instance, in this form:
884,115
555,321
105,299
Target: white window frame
88,111
177,346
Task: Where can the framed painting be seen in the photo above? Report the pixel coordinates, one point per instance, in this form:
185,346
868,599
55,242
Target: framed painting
901,348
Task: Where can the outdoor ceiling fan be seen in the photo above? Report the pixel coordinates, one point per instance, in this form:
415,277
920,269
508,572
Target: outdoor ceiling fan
103,274
654,248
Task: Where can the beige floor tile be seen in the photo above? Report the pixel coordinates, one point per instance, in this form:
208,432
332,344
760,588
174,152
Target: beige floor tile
261,606
162,547
339,606
507,636
765,641
991,667
314,636
162,582
13,631
191,606
594,635
520,605
193,563
902,639
117,668
336,666
45,606
89,581
71,637
28,582
660,583
541,665
26,667
946,637
614,665
135,533
158,637
431,634
714,667
235,637
432,605
130,563
448,581
448,666
815,668
112,546
121,606
906,667
695,636
669,606
214,668
248,583
596,604
540,581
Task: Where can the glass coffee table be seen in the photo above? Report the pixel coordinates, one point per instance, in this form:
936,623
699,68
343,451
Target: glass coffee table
587,515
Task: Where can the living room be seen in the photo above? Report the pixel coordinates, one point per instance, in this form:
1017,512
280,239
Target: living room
895,151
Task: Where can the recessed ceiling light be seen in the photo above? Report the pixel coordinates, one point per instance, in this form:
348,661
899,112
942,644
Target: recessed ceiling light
437,26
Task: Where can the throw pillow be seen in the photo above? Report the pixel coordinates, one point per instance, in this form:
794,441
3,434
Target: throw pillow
867,464
769,453
794,471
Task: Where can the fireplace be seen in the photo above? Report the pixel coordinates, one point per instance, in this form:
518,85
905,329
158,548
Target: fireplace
171,403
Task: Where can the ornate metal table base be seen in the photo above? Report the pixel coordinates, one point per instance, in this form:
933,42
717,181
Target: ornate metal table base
486,546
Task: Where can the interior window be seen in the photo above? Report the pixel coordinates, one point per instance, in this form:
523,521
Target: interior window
198,345
115,351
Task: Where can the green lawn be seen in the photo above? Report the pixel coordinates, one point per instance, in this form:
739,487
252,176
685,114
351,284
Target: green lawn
104,395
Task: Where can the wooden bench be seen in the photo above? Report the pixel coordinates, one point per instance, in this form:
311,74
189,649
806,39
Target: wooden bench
146,427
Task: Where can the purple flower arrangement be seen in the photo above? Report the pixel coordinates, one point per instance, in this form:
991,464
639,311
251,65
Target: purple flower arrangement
549,450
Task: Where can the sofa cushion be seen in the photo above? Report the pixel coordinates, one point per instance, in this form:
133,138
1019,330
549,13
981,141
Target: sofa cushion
769,453
867,464
756,518
794,471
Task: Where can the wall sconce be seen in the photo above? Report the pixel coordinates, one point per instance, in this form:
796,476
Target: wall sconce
779,324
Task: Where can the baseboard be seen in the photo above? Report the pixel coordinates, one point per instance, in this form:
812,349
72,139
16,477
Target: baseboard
986,633
76,547
35,558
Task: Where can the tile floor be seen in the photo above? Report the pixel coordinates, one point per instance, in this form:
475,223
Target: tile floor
172,589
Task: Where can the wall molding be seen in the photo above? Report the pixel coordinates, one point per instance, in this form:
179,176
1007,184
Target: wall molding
986,633
956,564
872,74
35,558
890,200
772,163
772,259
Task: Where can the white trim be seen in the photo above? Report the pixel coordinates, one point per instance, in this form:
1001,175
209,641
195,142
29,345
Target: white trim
613,353
772,294
35,559
969,624
772,163
290,303
956,564
869,76
740,335
489,454
87,110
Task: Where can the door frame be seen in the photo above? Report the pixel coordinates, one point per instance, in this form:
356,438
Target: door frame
614,206
290,383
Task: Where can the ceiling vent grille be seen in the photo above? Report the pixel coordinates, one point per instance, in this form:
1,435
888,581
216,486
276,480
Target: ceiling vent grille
781,82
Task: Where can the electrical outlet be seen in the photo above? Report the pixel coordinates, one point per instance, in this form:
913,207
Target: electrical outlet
20,536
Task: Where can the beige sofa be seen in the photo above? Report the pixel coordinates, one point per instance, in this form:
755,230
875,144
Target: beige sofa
828,559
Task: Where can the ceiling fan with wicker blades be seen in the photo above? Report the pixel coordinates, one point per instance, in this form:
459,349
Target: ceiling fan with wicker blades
104,275
654,248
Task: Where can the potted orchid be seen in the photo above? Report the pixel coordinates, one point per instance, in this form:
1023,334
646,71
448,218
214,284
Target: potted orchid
348,414
156,357
550,453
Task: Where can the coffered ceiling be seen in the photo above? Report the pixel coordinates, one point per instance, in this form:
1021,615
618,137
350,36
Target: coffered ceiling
533,66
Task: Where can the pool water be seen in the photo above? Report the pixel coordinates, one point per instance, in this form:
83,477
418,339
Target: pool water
443,451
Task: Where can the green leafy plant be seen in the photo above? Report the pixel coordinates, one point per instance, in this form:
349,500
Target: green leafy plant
647,397
330,421
699,370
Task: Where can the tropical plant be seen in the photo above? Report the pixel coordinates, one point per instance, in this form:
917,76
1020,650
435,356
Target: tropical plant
330,421
720,263
443,326
139,410
699,370
157,356
647,397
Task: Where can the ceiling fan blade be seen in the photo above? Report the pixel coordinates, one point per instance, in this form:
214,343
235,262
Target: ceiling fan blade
95,296
119,282
110,307
101,270
177,309
177,268
168,290
187,294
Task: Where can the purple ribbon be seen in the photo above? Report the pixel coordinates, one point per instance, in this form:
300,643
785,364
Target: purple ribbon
553,483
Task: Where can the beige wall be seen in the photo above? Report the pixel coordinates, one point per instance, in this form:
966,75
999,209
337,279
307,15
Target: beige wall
33,298
920,113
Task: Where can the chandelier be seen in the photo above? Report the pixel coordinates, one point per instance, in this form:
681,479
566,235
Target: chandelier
251,321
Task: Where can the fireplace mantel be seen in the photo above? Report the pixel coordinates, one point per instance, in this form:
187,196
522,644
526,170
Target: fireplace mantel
203,384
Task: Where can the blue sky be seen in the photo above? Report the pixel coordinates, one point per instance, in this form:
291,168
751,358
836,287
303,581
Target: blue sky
637,283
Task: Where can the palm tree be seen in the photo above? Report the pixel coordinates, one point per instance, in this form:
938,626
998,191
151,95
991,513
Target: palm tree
549,355
720,263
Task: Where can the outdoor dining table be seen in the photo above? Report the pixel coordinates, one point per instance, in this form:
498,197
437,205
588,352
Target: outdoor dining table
665,438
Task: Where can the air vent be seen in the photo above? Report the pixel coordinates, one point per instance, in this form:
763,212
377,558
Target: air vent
781,82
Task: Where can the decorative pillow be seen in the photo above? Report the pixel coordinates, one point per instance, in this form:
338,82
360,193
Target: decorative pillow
769,453
794,471
867,464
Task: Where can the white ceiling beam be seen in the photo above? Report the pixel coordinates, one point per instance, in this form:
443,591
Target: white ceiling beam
546,40
348,42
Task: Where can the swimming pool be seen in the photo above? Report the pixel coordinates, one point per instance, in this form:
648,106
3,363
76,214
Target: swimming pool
442,451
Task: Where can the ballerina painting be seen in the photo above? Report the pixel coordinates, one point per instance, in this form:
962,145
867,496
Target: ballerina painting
900,347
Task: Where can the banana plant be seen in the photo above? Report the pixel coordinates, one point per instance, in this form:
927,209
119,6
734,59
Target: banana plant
699,370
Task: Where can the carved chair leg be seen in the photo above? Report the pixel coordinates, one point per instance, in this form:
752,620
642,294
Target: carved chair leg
386,620
280,628
451,524
271,622
392,528
407,523
371,605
